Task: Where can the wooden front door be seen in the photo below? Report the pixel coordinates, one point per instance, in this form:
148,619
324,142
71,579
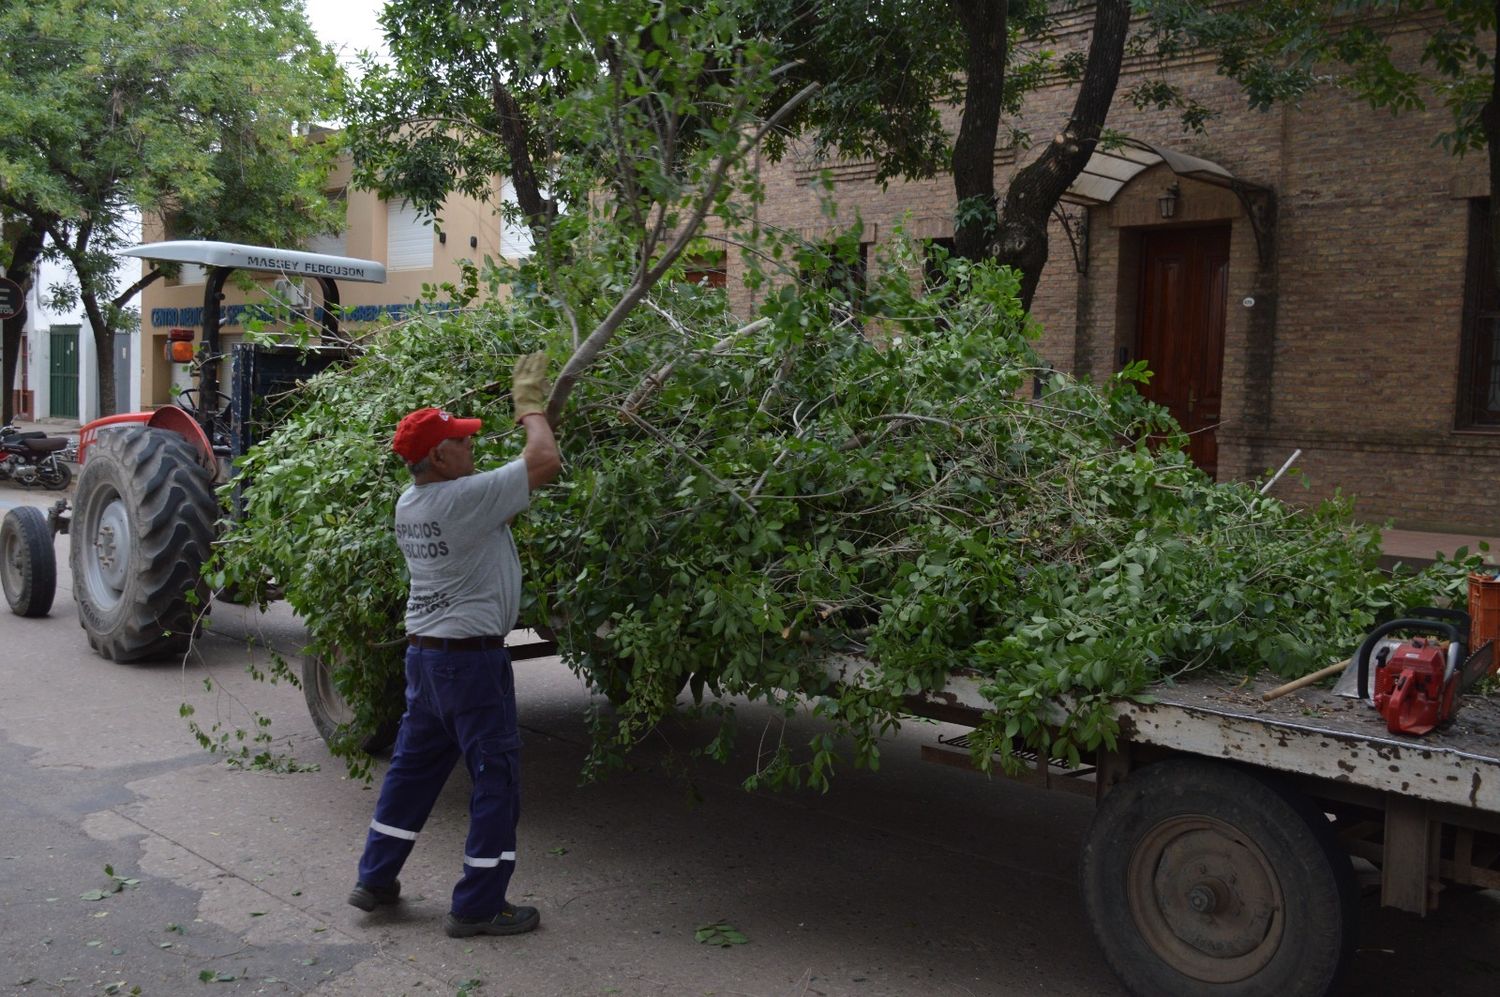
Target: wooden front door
1184,293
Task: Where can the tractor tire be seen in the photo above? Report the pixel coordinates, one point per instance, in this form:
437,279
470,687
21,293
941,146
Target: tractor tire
143,523
1202,878
28,567
331,713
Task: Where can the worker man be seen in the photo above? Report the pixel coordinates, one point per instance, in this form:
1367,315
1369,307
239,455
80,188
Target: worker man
453,526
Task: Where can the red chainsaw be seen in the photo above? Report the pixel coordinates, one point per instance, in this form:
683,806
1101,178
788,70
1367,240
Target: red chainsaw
1418,680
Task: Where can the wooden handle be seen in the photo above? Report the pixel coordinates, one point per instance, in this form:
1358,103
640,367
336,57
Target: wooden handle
1306,680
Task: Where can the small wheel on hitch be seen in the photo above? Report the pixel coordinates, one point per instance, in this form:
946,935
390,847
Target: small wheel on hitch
28,565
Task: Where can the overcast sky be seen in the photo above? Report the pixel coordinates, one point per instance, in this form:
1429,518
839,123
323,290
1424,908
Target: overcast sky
350,26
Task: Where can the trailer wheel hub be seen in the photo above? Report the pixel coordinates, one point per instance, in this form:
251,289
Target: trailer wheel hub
1205,898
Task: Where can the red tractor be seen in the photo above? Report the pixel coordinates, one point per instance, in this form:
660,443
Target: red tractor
145,510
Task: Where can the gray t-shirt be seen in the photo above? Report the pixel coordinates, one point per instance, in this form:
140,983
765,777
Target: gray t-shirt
455,535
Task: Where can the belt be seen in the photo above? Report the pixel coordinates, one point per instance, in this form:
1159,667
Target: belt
456,643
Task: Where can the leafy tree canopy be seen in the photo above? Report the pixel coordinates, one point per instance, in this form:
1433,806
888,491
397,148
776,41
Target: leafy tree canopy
920,87
557,98
196,110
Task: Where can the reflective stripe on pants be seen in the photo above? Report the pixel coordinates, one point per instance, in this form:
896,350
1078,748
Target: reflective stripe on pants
459,704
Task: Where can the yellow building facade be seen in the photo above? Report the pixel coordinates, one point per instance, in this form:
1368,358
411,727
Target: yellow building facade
416,252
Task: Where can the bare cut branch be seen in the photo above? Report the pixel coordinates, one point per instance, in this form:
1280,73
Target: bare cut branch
572,317
717,180
653,382
913,417
670,319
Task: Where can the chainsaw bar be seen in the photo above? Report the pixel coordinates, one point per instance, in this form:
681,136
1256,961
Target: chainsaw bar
1348,683
1476,667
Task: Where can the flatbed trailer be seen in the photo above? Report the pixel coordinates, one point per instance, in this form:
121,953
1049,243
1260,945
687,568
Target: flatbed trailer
1219,857
1220,860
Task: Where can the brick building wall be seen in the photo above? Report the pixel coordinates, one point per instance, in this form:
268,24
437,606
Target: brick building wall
1351,348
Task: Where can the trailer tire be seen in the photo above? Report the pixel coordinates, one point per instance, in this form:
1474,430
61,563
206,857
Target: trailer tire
331,713
143,524
1201,878
28,567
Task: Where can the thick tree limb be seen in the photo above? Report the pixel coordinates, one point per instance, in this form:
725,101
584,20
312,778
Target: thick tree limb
605,331
124,296
515,132
76,251
1022,239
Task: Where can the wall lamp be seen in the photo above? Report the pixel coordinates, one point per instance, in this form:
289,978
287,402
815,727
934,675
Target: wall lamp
1167,202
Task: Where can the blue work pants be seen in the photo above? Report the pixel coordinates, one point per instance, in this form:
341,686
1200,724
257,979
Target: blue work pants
458,704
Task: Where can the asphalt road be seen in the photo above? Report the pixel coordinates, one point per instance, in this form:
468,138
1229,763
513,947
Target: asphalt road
913,880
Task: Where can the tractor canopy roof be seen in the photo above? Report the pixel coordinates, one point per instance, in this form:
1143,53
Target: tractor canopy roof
286,262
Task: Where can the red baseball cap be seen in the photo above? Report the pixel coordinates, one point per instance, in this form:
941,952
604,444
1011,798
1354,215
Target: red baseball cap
418,432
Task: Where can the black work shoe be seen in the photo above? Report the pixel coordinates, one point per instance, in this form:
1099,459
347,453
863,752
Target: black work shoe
512,920
367,897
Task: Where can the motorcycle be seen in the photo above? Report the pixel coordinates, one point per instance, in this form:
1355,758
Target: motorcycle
34,458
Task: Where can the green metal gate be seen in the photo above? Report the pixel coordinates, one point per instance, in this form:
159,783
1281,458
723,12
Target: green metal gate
63,396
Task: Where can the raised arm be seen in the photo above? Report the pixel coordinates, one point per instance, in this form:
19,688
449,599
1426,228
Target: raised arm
543,461
529,395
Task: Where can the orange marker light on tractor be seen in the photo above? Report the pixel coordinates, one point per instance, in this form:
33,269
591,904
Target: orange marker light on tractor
180,346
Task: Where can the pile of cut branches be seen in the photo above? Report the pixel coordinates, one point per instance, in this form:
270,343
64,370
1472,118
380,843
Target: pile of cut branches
899,479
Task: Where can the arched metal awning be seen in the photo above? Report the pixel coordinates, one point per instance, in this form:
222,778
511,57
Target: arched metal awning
1110,169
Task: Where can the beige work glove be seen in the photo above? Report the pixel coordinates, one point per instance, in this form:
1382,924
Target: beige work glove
528,385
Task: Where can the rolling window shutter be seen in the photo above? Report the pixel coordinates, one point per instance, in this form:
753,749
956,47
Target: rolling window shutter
515,237
408,239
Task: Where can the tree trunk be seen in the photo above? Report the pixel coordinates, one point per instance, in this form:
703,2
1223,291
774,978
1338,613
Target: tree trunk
974,148
1022,239
1489,121
104,355
11,347
24,254
515,130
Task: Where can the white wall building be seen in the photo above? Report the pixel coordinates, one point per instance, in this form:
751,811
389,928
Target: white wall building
61,337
